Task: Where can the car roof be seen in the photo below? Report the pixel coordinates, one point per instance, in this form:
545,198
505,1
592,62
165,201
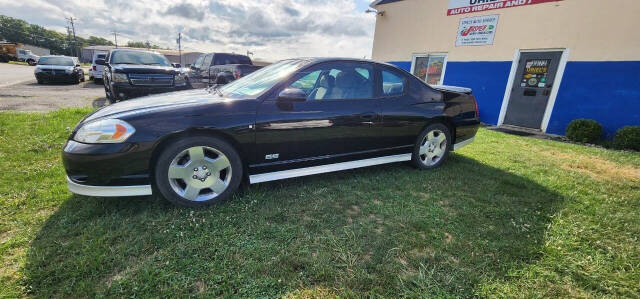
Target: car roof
134,50
62,56
342,59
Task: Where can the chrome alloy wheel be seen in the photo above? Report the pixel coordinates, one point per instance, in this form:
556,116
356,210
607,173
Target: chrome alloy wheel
200,173
433,147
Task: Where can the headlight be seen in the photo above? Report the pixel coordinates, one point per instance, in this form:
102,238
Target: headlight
119,77
68,71
179,78
105,131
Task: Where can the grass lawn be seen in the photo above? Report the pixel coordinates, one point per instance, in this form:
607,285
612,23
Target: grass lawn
18,62
506,216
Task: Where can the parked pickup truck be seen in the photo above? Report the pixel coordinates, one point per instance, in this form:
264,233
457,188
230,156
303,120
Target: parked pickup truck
218,69
134,73
14,51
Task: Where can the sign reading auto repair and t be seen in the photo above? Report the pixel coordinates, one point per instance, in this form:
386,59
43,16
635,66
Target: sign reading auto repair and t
458,7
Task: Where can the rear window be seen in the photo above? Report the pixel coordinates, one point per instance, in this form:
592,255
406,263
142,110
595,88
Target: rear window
221,59
101,56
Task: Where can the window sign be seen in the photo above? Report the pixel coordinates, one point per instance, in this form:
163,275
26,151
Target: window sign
457,7
429,68
477,31
535,73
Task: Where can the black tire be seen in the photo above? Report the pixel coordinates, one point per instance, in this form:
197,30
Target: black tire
163,184
40,81
31,62
82,77
109,95
221,80
421,160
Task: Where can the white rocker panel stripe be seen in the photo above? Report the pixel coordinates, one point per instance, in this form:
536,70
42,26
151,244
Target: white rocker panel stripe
285,174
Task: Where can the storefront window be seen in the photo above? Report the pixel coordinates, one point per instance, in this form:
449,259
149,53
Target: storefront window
429,68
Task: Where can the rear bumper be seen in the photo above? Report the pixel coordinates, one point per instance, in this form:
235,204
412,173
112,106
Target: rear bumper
108,191
95,74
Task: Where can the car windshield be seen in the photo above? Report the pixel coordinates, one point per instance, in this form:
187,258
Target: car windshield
261,80
135,57
66,61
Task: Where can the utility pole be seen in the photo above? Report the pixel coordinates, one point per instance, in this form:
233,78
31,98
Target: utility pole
115,37
69,39
75,41
180,46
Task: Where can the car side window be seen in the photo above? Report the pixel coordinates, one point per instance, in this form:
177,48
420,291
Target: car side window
393,84
343,81
198,63
207,60
308,82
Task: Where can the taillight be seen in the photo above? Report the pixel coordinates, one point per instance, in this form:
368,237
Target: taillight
95,68
237,74
477,110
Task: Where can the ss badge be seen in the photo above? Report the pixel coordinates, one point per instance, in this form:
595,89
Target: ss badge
271,157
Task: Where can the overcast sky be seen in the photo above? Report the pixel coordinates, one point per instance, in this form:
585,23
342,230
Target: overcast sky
272,29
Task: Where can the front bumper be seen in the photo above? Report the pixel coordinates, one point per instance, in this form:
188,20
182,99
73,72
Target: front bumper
126,90
58,76
108,191
107,165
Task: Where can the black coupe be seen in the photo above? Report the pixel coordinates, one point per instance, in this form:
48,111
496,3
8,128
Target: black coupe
294,118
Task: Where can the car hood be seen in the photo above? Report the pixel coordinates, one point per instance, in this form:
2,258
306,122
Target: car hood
155,103
144,69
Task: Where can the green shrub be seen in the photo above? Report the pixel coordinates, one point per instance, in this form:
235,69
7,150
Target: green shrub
584,130
628,138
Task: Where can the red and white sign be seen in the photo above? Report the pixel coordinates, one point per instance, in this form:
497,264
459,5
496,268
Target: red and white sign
458,7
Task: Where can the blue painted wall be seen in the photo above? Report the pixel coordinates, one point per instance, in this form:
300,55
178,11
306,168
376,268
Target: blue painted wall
488,81
608,92
405,65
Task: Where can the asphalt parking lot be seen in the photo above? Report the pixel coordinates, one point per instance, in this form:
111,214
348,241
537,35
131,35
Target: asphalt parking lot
20,92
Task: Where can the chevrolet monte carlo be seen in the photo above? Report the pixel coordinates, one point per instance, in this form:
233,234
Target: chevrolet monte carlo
294,118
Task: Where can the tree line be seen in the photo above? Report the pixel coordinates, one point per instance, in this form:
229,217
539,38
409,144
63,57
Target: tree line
18,31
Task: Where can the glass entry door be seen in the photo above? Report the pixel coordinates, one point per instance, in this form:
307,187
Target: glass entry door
429,68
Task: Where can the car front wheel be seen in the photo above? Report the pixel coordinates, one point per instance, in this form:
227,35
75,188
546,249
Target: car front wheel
432,147
109,95
198,171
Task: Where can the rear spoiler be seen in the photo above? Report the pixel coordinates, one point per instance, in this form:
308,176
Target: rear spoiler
457,89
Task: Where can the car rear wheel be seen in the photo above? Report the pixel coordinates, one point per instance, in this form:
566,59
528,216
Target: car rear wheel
198,171
432,147
31,62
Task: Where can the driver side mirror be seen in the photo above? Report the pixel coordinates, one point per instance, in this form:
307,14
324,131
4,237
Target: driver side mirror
292,95
100,62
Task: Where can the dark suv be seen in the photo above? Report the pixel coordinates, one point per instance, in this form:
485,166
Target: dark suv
219,69
133,73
